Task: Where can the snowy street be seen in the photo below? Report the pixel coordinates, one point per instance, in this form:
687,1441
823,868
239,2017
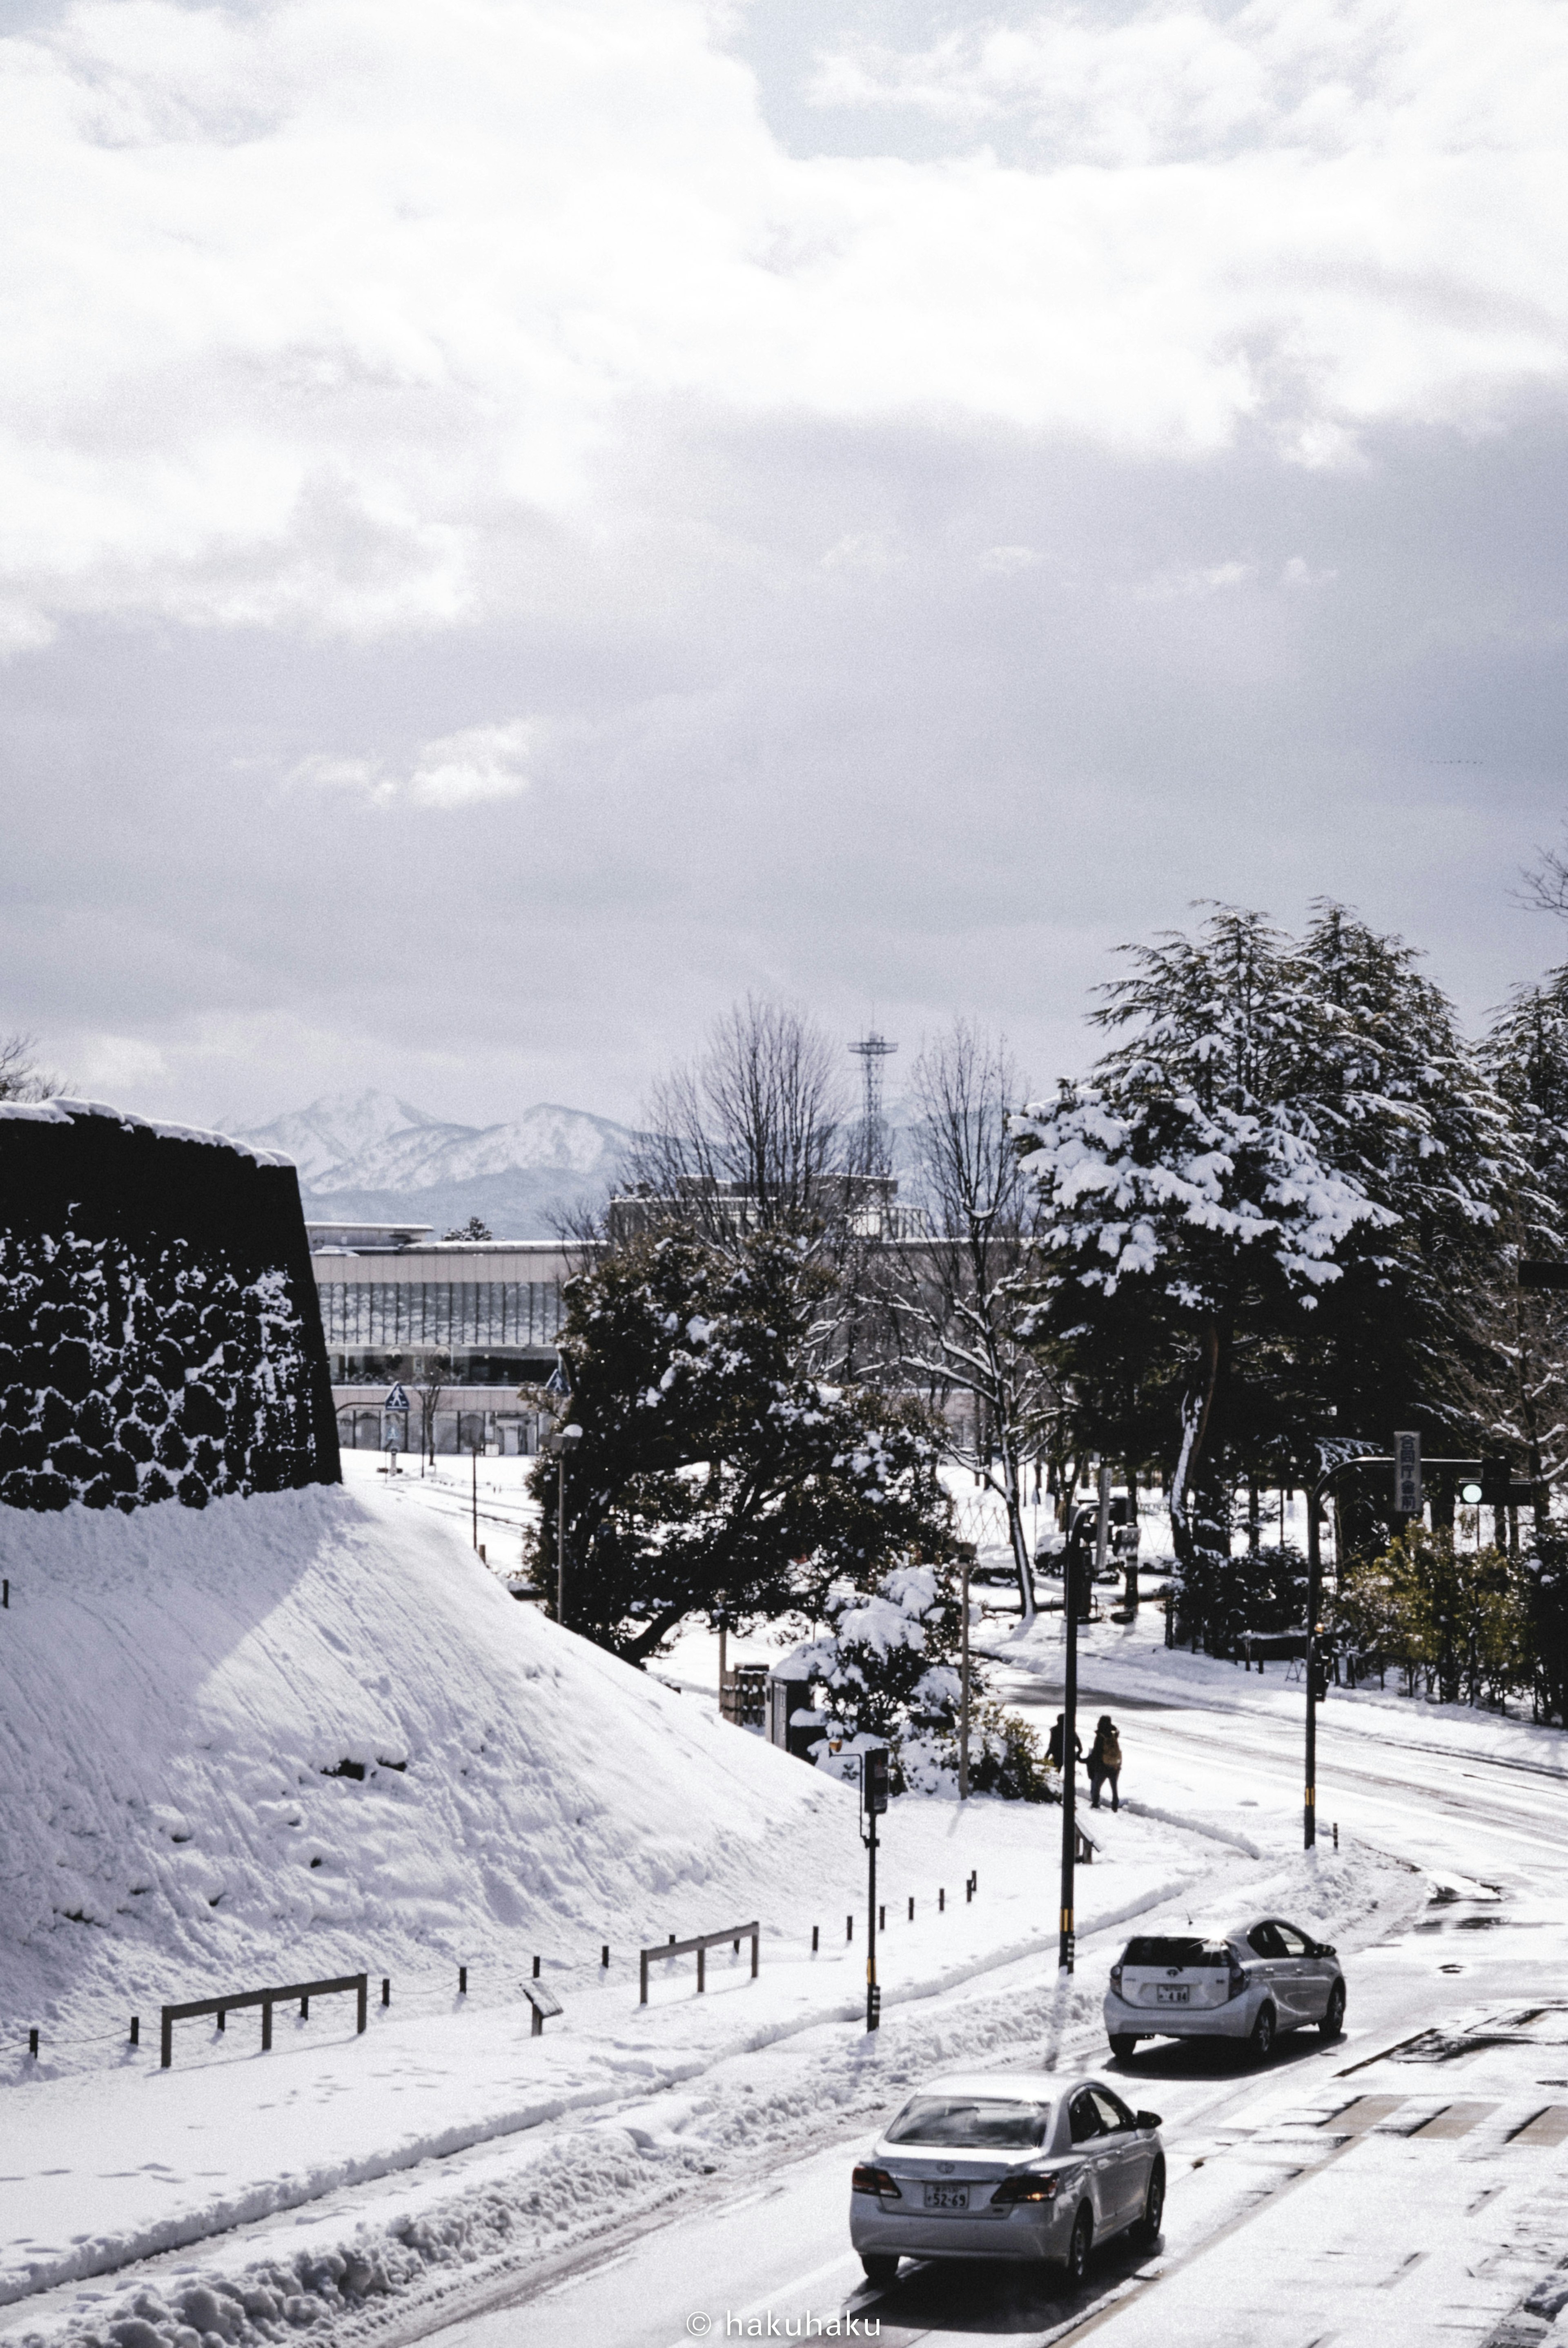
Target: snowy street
1410,2181
637,2171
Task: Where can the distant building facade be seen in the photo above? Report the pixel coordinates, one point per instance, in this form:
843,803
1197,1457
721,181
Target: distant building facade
462,1325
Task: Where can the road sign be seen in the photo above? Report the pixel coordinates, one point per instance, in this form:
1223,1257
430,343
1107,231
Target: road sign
1408,1474
396,1400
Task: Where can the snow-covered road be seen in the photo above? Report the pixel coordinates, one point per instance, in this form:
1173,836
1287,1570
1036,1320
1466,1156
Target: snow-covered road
1409,2182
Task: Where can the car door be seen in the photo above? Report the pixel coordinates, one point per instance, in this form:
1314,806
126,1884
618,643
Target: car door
1309,1973
1131,2156
1093,2143
1264,1941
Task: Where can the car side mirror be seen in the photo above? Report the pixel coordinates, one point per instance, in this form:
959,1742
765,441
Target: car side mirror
1148,2119
1327,1949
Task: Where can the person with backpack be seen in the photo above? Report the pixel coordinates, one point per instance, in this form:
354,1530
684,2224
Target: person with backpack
1105,1761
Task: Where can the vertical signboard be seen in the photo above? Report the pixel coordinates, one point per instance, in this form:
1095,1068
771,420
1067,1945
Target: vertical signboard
1408,1474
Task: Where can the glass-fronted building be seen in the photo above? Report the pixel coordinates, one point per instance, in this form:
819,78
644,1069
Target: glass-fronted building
460,1324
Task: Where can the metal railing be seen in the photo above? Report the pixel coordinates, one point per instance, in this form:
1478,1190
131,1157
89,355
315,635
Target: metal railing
735,1935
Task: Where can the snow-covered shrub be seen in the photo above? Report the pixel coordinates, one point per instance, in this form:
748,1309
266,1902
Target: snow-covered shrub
887,1669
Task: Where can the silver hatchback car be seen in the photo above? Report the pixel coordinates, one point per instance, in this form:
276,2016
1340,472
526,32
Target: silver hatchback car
1007,2165
1246,1986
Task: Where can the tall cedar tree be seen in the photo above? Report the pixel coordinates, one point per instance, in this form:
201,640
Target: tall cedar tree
1265,1214
714,1467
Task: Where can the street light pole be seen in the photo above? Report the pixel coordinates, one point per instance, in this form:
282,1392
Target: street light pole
560,1441
1068,1742
1314,1599
964,1716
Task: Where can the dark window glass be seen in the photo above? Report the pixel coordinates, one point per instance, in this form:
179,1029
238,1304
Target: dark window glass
988,2122
1083,2118
1263,1940
1173,1948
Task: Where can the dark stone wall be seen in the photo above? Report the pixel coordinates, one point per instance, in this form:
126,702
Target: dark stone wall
159,1333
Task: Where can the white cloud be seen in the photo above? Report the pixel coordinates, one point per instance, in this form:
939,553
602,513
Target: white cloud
1206,579
1006,558
486,762
331,319
481,763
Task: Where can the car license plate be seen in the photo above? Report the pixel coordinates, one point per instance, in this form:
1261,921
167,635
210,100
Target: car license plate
947,2197
1165,1994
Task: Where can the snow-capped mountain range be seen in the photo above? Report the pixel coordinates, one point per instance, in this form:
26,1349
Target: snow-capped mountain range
374,1158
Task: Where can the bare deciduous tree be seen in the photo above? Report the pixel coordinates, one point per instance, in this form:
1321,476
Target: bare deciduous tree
959,1290
749,1136
21,1077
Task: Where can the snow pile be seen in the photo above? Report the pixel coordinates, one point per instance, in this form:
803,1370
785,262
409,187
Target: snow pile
300,1735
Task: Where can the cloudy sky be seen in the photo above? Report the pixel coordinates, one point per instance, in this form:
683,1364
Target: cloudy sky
523,519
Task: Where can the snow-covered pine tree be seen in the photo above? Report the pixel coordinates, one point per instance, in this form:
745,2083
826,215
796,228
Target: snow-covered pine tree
1193,1213
714,1463
1526,1055
1407,1336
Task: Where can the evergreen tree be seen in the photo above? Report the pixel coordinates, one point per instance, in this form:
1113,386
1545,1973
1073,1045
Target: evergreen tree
1526,1055
714,1465
1192,1215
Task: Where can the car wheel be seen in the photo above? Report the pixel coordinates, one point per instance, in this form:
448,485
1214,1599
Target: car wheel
1262,2031
1077,2260
1122,2045
881,2267
1332,2022
1147,2229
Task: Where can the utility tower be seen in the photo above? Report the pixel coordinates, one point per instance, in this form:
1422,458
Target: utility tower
871,1051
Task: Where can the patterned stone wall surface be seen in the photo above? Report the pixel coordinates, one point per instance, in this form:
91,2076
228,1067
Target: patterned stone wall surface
160,1334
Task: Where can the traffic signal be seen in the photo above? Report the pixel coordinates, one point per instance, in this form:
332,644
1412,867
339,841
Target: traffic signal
1496,1481
1319,1680
873,1781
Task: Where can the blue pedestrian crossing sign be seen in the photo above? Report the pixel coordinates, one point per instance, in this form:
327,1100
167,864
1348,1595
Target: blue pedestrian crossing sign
396,1400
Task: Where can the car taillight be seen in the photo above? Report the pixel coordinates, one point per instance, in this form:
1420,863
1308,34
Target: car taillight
1116,1979
1238,1982
867,2180
1026,2188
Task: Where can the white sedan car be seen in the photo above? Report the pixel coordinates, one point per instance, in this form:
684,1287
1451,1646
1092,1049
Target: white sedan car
1246,1985
1007,2165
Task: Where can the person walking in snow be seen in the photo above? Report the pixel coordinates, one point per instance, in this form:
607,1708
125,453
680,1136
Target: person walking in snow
1105,1761
1058,1740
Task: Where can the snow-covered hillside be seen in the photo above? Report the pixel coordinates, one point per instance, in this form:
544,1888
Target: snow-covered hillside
178,1688
370,1155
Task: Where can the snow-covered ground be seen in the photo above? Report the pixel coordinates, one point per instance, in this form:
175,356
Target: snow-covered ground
172,1689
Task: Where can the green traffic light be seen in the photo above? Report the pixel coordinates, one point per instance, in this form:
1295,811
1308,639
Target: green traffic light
1470,1493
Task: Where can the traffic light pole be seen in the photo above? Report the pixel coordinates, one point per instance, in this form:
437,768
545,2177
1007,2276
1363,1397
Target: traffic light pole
1069,1746
1314,1599
872,2003
874,1788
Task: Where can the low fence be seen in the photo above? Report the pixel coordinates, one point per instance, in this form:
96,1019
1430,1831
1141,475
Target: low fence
266,1998
733,1933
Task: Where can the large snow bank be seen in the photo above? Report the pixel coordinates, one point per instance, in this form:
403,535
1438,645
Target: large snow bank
174,1687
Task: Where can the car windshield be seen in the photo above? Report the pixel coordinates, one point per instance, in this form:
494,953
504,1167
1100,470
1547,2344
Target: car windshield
1161,1949
996,2123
